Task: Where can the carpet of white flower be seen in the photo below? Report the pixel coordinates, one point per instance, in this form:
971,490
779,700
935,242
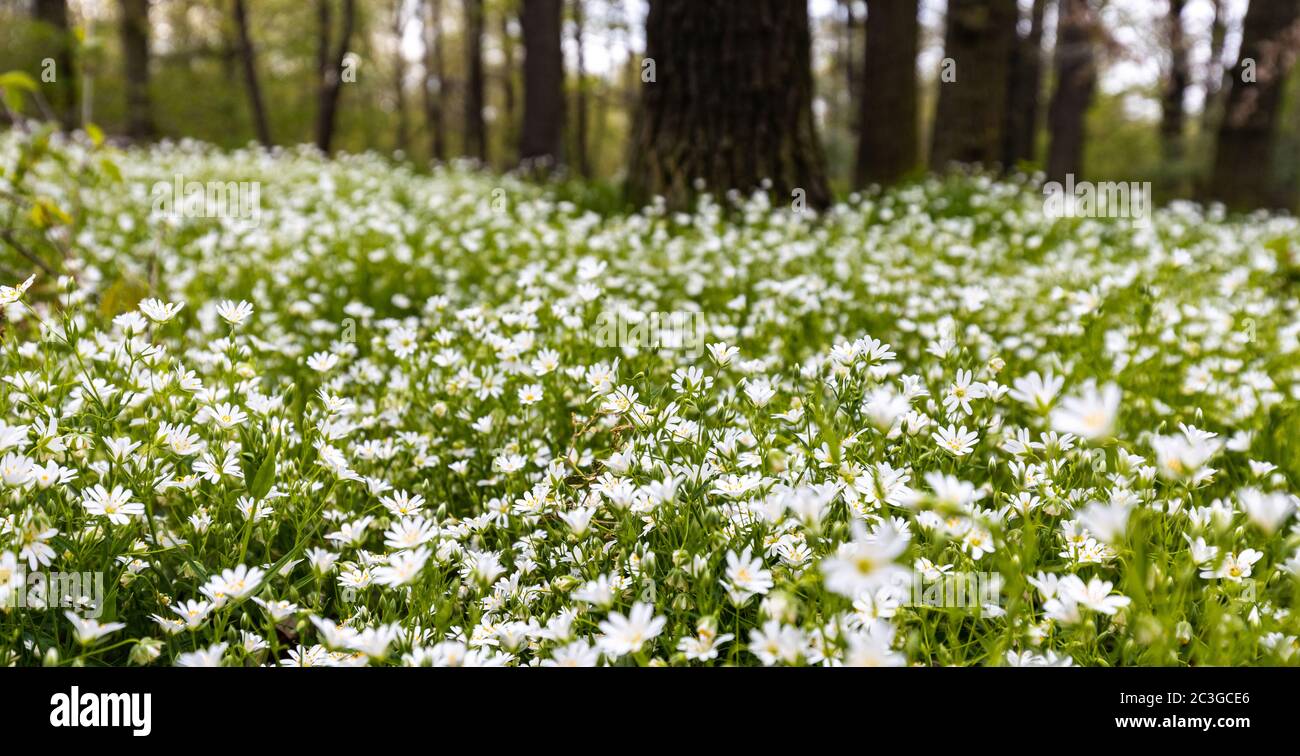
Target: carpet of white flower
381,426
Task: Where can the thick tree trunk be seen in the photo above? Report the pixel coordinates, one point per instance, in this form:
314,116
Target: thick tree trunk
475,131
1171,103
971,113
57,45
887,122
248,58
331,70
1271,39
1019,142
540,141
729,103
135,55
1076,80
433,79
580,95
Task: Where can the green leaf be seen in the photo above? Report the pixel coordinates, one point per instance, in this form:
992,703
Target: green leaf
265,477
18,80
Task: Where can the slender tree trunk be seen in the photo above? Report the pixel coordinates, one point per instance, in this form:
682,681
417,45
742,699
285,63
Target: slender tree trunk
475,130
509,135
971,113
331,70
1076,80
540,141
135,54
433,78
729,103
887,122
399,78
1026,87
1171,103
59,47
248,57
851,83
580,95
1247,134
1216,74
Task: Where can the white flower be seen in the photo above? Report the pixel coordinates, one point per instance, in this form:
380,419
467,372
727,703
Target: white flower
11,294
116,505
956,441
159,311
626,635
747,576
865,563
1269,511
234,313
1235,567
1037,391
88,630
211,656
1091,416
403,567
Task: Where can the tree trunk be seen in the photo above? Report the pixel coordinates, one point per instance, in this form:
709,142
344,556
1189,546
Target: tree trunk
1216,74
248,56
399,78
63,90
475,131
1171,103
580,95
852,85
331,70
433,77
970,116
1076,80
135,54
540,141
1020,140
887,123
1269,44
726,98
509,134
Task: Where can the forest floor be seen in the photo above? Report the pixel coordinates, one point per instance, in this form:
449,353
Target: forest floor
374,416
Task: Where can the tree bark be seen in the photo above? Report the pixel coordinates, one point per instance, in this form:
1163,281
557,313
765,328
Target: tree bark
399,78
63,90
970,117
887,121
433,79
540,140
1171,103
1076,81
580,95
475,131
135,55
1247,132
1216,74
331,70
248,58
730,103
509,131
1020,140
